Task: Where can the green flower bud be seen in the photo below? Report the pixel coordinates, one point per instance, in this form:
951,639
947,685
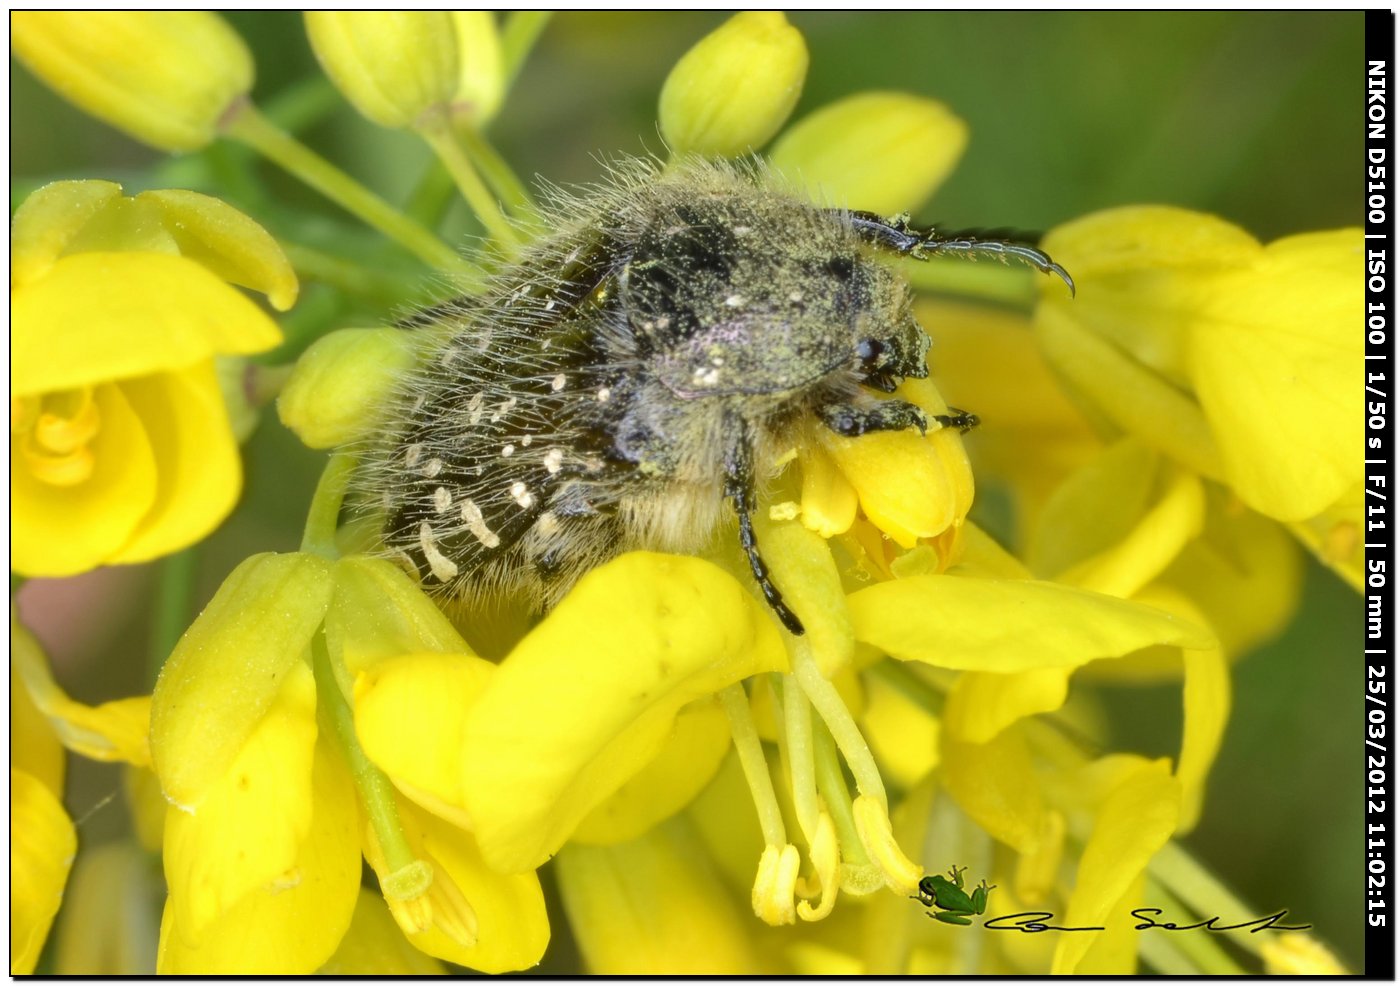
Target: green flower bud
340,382
392,65
165,77
731,92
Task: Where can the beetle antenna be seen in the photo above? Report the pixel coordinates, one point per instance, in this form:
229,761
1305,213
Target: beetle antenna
896,234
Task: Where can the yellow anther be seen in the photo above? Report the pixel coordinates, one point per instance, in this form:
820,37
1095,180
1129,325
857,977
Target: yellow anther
775,885
825,854
873,826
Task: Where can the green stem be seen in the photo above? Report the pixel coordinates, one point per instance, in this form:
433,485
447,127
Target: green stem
319,534
1199,889
497,172
1203,949
750,749
832,709
345,276
174,596
802,771
444,143
375,789
252,128
430,198
832,785
518,36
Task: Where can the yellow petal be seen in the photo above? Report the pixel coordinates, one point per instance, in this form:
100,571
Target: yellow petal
903,487
377,612
374,946
1004,626
111,731
106,316
198,470
1275,356
248,829
107,926
34,748
1115,525
1114,950
828,500
218,237
996,785
511,927
903,736
882,151
654,906
410,712
1127,393
1335,536
42,844
687,762
47,221
731,92
165,77
64,530
983,703
228,668
1206,696
291,926
1135,820
802,567
587,699
340,385
141,789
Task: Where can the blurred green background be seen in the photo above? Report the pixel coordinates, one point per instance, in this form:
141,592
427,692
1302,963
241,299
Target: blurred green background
1253,116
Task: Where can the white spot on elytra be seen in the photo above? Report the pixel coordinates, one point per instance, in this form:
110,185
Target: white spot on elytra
476,523
522,496
547,523
474,408
442,499
432,467
443,568
557,384
554,460
412,454
603,394
507,450
527,441
549,305
734,300
795,296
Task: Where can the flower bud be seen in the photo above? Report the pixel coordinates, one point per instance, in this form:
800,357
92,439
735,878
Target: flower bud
881,151
480,75
165,77
340,383
731,92
392,65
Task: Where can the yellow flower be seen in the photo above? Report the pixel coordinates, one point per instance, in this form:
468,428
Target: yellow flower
731,92
122,449
1234,358
165,77
264,834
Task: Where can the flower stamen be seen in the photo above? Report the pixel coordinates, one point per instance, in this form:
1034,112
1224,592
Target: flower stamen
57,429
